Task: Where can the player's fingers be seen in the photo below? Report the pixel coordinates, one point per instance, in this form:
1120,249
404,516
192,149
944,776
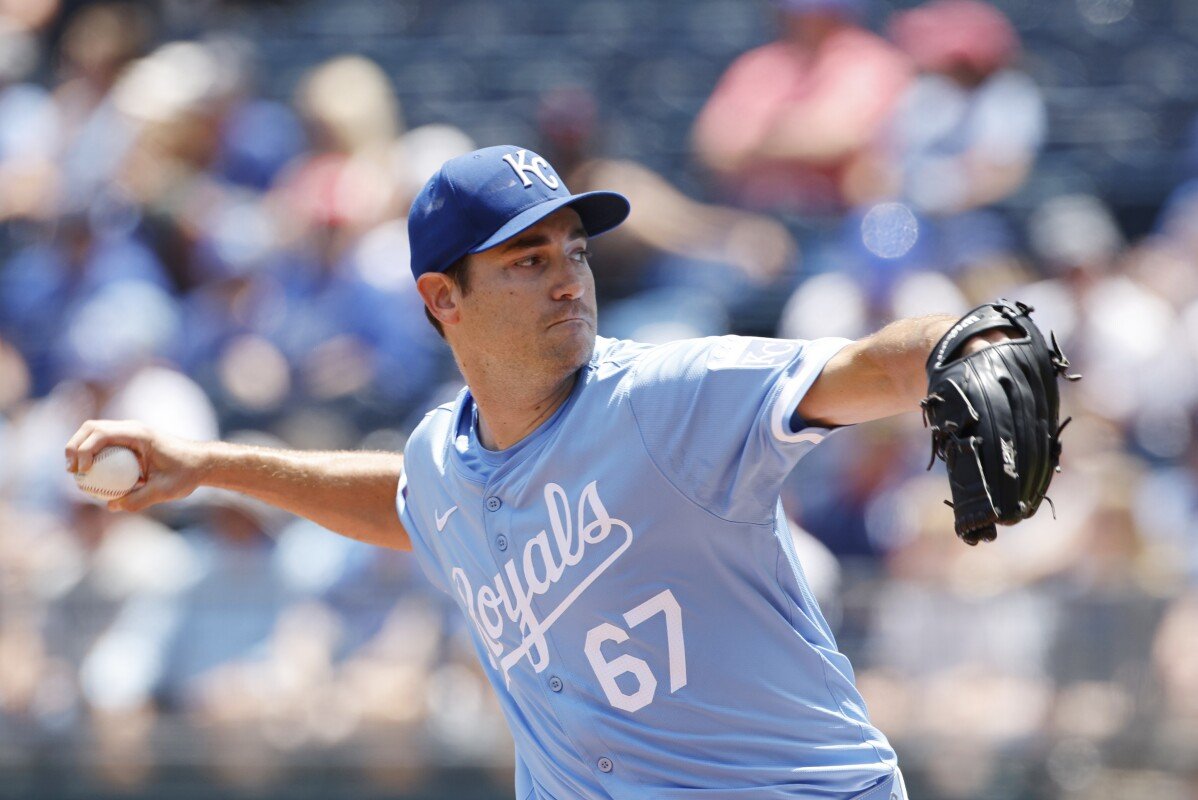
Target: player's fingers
983,340
72,448
85,453
101,436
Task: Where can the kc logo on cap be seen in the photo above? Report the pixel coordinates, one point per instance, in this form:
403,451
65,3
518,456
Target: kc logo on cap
520,163
473,203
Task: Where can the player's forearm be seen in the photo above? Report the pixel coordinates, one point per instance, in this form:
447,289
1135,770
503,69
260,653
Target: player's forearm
351,493
875,377
899,354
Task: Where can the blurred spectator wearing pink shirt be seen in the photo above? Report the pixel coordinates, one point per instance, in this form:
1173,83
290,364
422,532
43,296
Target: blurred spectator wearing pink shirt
790,124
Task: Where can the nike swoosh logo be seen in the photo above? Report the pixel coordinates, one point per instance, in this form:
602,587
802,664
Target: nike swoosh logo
443,518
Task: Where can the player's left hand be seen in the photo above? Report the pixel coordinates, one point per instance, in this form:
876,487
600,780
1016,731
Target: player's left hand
994,408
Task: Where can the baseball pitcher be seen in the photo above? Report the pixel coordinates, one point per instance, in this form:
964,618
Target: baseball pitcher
606,513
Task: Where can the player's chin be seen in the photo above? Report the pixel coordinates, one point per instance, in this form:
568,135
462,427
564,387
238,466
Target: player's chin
574,341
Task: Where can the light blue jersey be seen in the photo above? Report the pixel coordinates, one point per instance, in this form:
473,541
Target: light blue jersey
631,585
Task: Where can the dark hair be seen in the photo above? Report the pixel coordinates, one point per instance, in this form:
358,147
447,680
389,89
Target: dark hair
460,275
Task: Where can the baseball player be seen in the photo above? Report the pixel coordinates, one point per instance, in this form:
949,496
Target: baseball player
604,513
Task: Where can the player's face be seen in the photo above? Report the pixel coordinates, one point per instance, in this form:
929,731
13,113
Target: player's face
531,300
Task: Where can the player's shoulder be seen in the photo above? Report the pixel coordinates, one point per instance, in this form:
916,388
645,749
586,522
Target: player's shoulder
430,439
629,369
617,367
691,358
614,355
628,362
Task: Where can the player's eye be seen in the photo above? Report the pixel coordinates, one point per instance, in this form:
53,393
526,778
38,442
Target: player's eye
582,256
527,261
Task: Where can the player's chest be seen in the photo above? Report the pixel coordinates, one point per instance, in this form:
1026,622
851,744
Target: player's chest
519,541
522,553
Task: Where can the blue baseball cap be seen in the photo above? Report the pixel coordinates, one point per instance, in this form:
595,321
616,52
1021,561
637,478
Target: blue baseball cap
484,198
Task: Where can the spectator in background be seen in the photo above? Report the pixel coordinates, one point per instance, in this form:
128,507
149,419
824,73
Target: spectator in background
962,137
842,512
346,184
1170,252
1098,291
673,256
230,547
791,124
968,128
63,303
28,130
98,43
1175,660
176,101
41,559
351,336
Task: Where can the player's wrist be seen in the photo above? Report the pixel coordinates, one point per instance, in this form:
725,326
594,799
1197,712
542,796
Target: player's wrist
204,462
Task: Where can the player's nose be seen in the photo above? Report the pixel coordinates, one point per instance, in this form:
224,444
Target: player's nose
570,280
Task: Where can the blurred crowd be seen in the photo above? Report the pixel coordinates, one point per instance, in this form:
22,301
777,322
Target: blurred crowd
182,245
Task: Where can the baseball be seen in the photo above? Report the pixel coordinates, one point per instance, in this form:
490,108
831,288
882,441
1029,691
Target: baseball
114,473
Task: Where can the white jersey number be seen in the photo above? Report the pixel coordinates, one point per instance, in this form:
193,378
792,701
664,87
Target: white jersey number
607,671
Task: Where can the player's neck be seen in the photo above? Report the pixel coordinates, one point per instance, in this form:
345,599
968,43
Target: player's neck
505,417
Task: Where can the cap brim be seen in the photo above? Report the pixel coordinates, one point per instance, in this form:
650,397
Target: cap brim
599,212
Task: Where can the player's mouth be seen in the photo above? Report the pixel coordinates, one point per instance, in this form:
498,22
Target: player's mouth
570,320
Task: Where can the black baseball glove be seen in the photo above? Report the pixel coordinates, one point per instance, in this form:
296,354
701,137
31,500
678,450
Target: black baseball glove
994,418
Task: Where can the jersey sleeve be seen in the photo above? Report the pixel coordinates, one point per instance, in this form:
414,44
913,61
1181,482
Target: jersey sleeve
410,518
715,417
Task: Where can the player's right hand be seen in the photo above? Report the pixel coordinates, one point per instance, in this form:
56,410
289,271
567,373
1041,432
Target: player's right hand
171,467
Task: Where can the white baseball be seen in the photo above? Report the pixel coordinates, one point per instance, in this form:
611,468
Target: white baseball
114,472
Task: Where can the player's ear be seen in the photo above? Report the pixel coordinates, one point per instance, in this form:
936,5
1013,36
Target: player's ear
441,297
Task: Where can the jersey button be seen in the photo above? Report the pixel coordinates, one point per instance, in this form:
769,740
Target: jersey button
501,542
555,683
605,764
493,503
